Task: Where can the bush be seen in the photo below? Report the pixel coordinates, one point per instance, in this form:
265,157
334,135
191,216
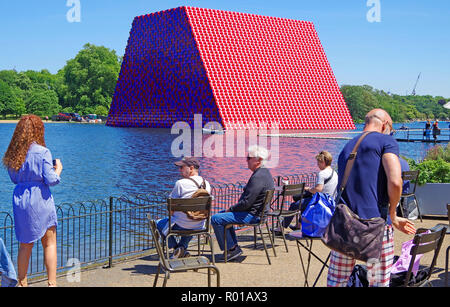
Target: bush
438,152
435,168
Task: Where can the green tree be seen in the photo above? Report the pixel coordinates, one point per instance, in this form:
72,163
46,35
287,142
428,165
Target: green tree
361,99
43,102
90,79
8,99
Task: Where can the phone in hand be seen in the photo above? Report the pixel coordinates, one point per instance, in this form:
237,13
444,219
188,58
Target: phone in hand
54,162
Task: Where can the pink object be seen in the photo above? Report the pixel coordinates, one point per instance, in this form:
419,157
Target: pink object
402,263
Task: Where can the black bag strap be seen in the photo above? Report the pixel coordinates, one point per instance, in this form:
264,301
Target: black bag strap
329,178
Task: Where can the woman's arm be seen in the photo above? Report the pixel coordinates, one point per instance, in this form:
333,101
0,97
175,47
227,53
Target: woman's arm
49,172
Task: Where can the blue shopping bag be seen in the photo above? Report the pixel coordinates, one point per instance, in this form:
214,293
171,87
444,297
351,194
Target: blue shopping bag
317,215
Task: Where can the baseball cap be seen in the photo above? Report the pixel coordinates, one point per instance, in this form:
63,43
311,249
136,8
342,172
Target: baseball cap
188,161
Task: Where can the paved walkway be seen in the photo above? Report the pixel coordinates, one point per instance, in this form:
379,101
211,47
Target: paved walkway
252,270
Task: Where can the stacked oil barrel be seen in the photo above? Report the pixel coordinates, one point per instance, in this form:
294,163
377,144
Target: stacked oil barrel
242,70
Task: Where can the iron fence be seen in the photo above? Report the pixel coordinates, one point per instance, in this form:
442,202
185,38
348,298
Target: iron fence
101,231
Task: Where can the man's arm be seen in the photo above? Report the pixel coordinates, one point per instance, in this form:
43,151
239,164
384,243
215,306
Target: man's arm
392,167
248,197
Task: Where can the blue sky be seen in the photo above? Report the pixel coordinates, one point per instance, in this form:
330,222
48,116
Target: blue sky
413,36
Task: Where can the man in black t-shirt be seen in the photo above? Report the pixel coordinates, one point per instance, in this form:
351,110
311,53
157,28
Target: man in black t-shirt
373,189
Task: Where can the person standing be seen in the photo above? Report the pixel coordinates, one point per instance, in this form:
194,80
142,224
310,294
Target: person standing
427,132
184,188
250,204
373,190
31,169
436,130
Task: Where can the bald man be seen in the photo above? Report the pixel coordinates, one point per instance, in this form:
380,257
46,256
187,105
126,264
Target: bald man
373,190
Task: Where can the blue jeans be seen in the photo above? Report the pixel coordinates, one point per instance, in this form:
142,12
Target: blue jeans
219,220
173,243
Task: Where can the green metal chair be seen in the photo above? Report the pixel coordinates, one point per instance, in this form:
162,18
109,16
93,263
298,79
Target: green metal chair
412,177
280,212
262,221
179,265
424,243
190,204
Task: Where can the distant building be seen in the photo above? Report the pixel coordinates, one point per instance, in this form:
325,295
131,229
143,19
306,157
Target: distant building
238,69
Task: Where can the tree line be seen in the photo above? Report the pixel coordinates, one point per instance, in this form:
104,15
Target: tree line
87,82
84,85
362,99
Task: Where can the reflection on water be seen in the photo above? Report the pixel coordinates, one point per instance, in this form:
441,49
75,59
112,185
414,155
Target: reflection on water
100,161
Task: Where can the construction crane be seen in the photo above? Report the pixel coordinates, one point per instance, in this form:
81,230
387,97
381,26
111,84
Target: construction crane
415,85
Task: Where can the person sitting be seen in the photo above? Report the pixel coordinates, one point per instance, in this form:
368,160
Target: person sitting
327,180
250,204
184,188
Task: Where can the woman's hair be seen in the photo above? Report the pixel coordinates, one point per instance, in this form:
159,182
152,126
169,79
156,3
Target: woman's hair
256,151
29,129
325,156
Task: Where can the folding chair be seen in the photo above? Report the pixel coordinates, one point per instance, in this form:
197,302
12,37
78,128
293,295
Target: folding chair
179,265
280,212
262,221
424,243
308,246
447,228
412,177
190,204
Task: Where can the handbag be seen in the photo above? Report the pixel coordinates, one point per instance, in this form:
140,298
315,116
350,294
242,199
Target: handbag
317,215
349,234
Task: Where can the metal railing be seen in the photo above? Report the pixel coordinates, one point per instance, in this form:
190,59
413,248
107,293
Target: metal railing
410,135
98,232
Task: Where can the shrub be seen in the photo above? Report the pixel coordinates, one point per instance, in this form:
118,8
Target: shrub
438,152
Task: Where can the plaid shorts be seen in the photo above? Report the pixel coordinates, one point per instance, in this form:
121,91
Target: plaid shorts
379,273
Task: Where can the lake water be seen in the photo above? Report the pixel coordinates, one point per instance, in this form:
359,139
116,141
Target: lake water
101,161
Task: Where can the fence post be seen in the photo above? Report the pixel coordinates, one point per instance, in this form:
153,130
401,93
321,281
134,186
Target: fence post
110,240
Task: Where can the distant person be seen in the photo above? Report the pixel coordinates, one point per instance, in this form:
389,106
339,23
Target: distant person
327,180
250,204
31,168
436,130
427,132
184,188
375,183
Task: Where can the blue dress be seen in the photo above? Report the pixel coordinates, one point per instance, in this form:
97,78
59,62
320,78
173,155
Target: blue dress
33,205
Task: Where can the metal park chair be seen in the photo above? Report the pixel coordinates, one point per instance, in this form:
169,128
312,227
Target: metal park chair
179,265
280,212
262,221
447,228
424,243
202,204
412,177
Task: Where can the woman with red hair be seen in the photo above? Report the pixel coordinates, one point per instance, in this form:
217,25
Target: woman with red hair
30,167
